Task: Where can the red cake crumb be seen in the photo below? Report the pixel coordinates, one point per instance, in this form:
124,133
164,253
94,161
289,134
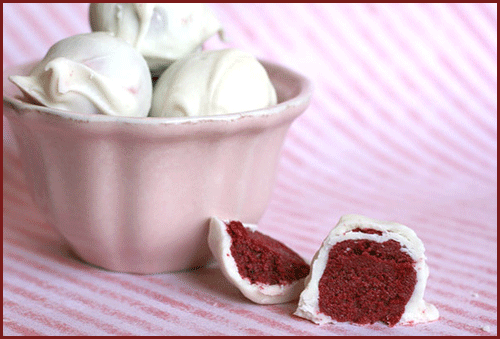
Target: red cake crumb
263,259
367,281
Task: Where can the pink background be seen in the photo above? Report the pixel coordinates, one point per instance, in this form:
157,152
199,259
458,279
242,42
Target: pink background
402,127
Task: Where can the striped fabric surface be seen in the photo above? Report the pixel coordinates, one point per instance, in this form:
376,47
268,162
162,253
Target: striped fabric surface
402,126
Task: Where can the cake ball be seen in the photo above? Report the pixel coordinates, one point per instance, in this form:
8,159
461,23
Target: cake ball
368,271
211,83
92,73
161,32
265,270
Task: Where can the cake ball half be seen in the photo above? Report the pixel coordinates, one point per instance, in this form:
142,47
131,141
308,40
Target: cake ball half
92,73
213,82
265,270
368,271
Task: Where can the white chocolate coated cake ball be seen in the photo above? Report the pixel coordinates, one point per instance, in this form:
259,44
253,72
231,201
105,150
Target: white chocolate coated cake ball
213,83
92,73
161,32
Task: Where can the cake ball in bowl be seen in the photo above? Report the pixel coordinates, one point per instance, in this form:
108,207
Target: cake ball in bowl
214,82
91,73
161,32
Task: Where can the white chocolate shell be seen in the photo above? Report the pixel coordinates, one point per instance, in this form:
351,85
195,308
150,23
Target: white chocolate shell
161,32
213,83
93,73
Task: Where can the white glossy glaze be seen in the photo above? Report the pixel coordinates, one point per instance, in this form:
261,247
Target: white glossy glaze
213,83
93,73
161,32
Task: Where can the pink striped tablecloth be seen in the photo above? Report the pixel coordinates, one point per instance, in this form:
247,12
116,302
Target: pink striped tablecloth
402,126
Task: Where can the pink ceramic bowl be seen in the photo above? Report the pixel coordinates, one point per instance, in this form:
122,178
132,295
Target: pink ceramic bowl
136,194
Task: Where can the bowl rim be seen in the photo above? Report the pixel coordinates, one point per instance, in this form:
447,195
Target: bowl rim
302,98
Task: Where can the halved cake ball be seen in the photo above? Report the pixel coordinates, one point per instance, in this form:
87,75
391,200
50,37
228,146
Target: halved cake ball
265,270
368,271
92,73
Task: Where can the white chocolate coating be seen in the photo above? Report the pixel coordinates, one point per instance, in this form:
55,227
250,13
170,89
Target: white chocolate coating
219,242
212,83
161,32
93,73
416,310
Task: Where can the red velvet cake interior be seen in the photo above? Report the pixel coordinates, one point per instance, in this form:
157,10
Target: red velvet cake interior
367,281
263,259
